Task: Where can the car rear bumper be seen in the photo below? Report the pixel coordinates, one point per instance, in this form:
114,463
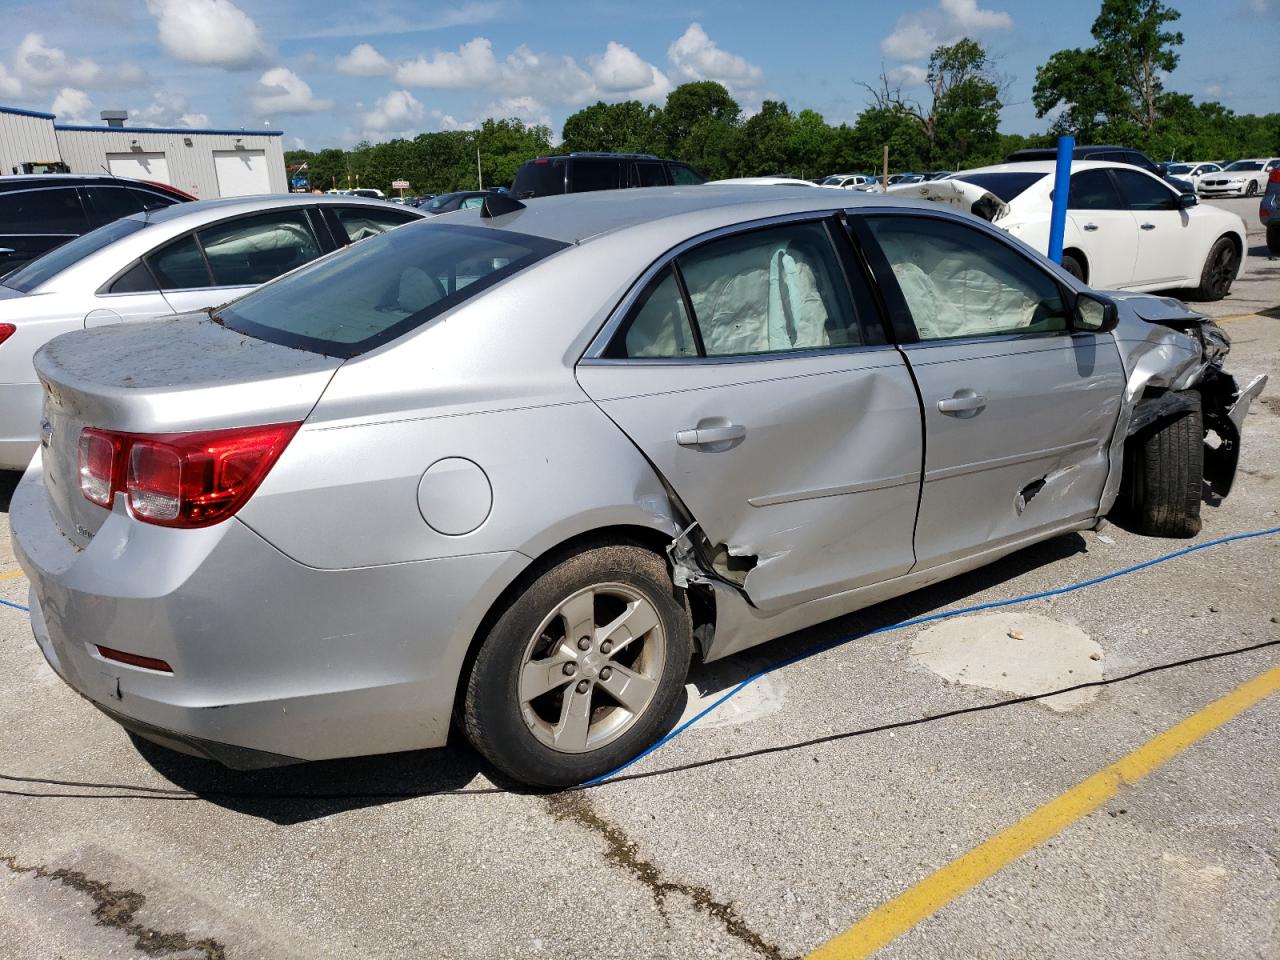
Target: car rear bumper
19,424
272,661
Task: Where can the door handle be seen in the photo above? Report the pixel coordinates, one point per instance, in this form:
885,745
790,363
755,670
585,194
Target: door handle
1090,227
1148,226
964,402
703,436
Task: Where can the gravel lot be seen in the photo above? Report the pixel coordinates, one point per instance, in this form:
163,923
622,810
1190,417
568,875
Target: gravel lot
741,838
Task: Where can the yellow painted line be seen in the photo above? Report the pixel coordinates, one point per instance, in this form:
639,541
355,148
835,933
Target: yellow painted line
12,575
892,919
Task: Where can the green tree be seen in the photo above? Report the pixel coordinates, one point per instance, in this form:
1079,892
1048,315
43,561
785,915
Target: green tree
690,103
766,140
1112,90
630,127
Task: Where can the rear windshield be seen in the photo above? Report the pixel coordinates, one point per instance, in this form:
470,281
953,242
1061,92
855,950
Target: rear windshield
382,287
30,276
1006,186
539,178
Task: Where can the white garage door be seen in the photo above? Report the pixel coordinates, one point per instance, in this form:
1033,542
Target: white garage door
140,166
241,172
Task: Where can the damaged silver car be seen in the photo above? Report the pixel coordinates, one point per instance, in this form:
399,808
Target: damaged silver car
511,469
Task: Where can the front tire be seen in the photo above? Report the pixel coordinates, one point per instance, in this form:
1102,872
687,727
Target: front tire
1252,189
1160,489
583,670
1219,271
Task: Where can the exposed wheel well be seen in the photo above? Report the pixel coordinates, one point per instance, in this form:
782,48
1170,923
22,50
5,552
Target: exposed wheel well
650,539
1078,255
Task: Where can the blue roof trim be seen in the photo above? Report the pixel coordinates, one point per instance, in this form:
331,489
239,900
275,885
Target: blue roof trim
186,130
27,113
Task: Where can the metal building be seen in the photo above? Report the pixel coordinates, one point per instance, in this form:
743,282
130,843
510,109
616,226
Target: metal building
204,163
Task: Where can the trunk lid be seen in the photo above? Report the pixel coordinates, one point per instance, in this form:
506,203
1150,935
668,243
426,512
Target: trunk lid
164,376
968,197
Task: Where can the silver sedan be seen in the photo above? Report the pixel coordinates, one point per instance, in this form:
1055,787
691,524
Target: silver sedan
515,467
185,257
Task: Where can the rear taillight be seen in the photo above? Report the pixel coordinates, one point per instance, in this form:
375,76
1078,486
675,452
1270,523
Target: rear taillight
1275,176
7,330
180,479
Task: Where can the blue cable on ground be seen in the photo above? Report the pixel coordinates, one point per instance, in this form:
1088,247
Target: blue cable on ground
823,648
16,606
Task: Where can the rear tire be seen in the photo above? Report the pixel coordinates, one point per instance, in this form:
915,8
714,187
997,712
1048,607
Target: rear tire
1073,266
567,734
1219,271
1160,489
1273,238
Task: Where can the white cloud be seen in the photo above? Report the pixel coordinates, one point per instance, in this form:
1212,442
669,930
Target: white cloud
695,56
38,66
919,33
398,110
473,65
908,75
212,32
167,110
364,61
524,108
281,91
72,106
372,23
621,70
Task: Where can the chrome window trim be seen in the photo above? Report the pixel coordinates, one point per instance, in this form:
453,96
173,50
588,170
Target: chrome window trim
600,342
735,358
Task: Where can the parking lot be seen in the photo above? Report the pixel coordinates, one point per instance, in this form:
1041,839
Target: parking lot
818,794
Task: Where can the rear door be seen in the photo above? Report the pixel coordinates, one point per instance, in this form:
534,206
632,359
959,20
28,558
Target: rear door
1018,410
752,371
1168,250
1108,230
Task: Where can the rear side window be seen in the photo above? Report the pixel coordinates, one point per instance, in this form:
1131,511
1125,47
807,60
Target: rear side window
539,178
110,203
253,250
586,175
660,326
55,211
1093,190
383,287
137,279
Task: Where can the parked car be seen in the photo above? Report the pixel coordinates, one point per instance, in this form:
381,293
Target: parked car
1109,153
173,259
763,182
38,213
451,473
1193,173
1269,211
1244,178
1126,228
583,172
448,202
848,181
938,174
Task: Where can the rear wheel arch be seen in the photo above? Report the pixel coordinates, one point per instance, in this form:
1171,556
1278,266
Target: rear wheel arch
1078,256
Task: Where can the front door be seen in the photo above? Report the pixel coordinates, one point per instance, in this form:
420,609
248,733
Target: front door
1166,249
1018,409
757,383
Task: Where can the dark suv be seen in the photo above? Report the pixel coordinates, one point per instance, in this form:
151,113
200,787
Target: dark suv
1110,153
580,172
43,211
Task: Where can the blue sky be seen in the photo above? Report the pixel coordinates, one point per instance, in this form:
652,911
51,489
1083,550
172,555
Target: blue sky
332,72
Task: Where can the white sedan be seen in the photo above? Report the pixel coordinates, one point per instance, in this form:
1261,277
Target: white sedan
1126,229
1244,178
1193,173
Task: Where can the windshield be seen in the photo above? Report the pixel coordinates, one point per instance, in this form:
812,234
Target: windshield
27,278
1246,165
1179,168
382,287
1006,186
443,200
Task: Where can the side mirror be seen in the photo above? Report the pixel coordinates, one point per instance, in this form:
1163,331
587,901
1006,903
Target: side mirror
1186,200
1093,314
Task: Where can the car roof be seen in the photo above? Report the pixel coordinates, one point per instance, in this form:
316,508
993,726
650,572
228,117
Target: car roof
579,217
1049,166
25,181
229,206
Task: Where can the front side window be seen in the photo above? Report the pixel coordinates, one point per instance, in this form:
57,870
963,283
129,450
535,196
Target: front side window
776,290
253,250
961,282
683,176
1142,192
56,212
650,175
383,287
1093,190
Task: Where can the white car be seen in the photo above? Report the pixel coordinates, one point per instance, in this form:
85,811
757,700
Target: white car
1126,229
1244,178
186,257
765,182
1194,172
849,181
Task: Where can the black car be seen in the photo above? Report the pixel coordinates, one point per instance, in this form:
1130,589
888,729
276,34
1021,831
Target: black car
1108,152
43,211
581,172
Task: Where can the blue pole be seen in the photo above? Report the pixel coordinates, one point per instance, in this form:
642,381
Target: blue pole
1061,187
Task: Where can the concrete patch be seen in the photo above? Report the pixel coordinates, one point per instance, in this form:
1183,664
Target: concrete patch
1019,653
761,699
